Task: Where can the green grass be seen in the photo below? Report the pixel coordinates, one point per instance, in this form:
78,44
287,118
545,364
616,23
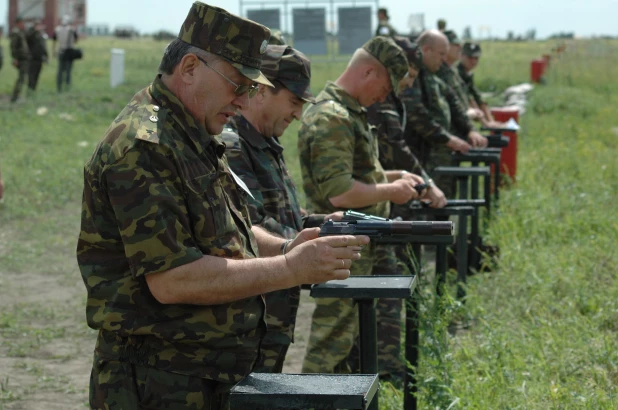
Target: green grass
545,322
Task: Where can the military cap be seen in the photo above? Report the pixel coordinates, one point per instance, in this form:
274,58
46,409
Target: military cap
471,50
387,52
452,37
291,68
412,50
240,41
383,11
277,38
441,24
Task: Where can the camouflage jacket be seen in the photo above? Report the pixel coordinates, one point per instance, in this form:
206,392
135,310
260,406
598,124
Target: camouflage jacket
337,147
19,45
158,194
468,79
258,161
432,113
36,45
451,77
389,119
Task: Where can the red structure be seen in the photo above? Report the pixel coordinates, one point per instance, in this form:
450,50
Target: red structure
537,69
508,157
49,11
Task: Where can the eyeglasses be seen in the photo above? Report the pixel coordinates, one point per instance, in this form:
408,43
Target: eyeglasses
240,90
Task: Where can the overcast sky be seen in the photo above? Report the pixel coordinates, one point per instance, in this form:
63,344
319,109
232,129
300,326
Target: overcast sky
584,17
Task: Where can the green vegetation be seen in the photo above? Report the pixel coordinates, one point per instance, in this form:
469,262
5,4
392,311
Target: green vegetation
544,324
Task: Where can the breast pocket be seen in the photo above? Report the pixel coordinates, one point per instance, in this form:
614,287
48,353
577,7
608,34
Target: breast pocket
207,208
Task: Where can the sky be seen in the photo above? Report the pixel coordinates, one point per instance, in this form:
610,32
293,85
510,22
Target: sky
485,17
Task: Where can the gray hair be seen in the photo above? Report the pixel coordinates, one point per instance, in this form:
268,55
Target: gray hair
176,50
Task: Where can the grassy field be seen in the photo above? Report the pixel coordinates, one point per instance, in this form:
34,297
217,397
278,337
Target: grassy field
545,331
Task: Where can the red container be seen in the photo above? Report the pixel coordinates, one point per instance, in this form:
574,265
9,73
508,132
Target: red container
537,69
508,157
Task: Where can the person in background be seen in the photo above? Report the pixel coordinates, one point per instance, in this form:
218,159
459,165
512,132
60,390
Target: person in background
20,55
64,38
38,53
384,27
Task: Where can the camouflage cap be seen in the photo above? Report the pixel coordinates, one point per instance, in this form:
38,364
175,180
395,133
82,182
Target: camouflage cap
471,50
239,41
412,50
452,37
291,68
277,38
387,52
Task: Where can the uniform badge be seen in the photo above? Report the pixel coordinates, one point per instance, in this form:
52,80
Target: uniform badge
263,46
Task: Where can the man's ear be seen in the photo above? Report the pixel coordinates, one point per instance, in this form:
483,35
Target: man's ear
368,71
187,68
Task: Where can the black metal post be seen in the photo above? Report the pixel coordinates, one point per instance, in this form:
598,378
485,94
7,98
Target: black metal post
412,337
368,340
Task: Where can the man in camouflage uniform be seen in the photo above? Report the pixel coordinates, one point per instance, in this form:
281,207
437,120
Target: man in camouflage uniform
166,249
341,170
256,157
38,53
470,56
434,113
20,55
384,27
388,118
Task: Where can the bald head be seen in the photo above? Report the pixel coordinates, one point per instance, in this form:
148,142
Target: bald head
434,45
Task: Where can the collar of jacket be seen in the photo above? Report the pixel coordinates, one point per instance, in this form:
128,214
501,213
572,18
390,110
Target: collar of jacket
195,131
341,96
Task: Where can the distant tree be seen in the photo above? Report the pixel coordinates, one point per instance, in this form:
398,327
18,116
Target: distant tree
467,34
510,36
530,34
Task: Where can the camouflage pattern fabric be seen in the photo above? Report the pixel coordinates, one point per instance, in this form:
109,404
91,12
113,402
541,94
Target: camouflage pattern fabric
458,89
468,79
336,147
389,119
258,161
391,56
240,41
414,54
277,38
123,386
158,194
22,69
291,68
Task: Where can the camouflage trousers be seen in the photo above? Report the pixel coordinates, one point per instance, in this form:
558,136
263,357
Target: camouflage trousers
22,68
120,385
334,326
390,260
441,157
271,358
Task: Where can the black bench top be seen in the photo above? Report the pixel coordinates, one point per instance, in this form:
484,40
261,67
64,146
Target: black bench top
301,391
462,171
366,287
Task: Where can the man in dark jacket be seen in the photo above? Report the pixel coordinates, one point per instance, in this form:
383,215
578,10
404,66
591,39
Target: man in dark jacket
38,53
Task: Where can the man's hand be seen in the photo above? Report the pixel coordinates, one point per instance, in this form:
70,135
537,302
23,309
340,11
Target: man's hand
416,179
457,144
335,216
316,260
437,198
475,114
477,140
402,191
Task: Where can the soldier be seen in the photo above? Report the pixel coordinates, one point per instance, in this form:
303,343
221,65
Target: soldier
38,53
434,112
20,55
340,170
255,155
470,55
449,73
441,24
166,248
384,27
389,119
64,38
